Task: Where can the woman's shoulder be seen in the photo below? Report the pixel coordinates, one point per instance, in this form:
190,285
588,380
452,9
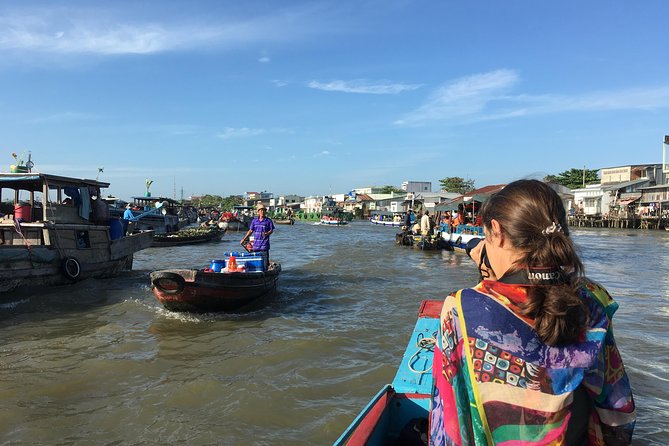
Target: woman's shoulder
595,294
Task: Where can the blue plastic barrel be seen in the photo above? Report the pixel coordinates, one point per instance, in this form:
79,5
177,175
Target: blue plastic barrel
217,265
115,228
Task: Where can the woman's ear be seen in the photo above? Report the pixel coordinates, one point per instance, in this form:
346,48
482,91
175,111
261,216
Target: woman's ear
496,234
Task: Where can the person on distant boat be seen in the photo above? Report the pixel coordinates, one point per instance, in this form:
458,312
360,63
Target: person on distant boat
528,356
425,224
261,227
127,217
458,217
407,219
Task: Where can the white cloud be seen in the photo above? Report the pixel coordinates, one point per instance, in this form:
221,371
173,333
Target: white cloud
322,153
65,117
230,132
279,83
362,86
485,97
107,32
264,59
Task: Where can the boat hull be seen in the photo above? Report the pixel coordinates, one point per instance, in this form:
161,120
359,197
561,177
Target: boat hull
234,225
203,291
398,413
333,222
396,224
162,240
458,241
48,265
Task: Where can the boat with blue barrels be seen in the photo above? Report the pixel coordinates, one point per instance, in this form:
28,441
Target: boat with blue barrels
56,230
232,284
398,413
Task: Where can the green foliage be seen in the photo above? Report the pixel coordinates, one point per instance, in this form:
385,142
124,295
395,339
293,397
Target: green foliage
216,201
456,184
574,178
390,190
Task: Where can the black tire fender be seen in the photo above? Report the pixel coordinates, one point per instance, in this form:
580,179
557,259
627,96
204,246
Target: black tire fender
71,268
168,282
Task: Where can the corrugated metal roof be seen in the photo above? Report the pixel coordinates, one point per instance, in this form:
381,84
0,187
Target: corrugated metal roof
616,186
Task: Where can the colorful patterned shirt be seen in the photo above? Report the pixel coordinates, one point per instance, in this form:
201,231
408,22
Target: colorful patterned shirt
496,382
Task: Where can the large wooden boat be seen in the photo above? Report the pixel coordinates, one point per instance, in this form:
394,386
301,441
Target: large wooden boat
189,236
55,230
204,290
398,413
159,214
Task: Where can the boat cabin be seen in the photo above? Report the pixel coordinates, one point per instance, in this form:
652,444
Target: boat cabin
37,197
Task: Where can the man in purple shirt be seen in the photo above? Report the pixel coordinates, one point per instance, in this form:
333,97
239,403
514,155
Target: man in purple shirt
261,227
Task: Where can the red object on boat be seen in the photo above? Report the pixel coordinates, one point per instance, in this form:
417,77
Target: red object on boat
23,212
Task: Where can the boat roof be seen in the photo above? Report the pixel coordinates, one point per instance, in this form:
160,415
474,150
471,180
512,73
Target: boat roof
33,181
154,199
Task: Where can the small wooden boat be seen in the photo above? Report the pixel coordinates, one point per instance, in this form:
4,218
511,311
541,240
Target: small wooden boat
189,236
398,413
284,221
203,290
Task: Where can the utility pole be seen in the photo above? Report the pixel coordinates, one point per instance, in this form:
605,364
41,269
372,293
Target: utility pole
584,176
665,166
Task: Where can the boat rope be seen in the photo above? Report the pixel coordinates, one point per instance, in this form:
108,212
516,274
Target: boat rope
426,344
17,228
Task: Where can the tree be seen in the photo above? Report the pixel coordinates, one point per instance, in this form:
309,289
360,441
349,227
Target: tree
574,178
216,201
390,190
456,184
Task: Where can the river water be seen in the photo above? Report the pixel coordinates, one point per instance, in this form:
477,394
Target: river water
101,362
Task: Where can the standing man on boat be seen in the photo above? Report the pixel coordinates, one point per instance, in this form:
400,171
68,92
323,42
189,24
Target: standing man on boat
261,227
425,224
127,217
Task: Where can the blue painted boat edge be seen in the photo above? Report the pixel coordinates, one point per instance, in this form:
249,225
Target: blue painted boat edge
411,390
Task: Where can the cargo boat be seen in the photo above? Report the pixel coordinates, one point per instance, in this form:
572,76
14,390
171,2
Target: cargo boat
56,230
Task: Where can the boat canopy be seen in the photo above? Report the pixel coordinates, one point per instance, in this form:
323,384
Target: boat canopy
34,182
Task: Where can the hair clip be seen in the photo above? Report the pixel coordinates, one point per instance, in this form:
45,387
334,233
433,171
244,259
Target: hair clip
552,228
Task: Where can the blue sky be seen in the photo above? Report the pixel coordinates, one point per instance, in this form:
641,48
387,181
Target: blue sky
319,97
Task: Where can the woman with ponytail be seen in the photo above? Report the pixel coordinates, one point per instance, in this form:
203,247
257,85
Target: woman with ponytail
527,356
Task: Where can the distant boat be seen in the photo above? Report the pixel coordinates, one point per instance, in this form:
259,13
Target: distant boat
334,216
333,221
58,241
284,221
385,221
398,413
189,236
158,214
